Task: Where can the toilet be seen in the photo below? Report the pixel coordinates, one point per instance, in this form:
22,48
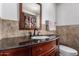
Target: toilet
67,51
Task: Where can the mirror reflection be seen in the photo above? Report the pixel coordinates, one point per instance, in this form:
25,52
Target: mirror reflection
32,15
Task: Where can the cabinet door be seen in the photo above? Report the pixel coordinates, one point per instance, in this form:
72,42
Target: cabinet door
43,49
53,53
16,52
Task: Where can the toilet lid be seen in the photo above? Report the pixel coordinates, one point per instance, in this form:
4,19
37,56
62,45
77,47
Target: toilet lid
67,49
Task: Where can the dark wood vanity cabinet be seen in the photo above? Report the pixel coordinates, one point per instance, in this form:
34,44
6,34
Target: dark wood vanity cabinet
44,49
24,51
41,49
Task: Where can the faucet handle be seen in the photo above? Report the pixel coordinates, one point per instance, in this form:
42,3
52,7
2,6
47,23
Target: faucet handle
30,34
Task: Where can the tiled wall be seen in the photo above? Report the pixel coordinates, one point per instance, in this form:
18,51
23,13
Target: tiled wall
69,35
0,28
10,28
44,32
10,34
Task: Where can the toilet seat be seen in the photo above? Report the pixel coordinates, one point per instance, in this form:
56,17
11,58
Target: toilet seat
67,50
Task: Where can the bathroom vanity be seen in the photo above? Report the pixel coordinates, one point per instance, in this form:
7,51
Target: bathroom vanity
30,19
48,47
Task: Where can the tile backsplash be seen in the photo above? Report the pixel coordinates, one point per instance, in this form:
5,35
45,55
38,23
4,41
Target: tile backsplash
44,32
0,28
10,28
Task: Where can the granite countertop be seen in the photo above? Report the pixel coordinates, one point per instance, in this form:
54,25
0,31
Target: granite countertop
25,43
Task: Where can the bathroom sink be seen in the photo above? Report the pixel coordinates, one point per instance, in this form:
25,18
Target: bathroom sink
40,37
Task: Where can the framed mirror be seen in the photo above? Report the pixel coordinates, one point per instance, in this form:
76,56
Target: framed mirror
30,16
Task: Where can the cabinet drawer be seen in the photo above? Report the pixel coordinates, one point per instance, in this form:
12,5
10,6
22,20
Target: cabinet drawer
42,48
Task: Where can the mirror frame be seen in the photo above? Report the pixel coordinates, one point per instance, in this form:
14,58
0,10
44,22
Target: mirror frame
22,18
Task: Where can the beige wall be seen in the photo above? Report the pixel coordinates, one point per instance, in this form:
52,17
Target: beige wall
43,31
10,28
69,35
0,28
